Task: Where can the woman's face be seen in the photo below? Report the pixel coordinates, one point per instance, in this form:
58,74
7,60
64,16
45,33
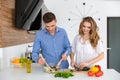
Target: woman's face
86,28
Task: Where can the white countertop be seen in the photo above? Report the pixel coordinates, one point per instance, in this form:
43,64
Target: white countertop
39,74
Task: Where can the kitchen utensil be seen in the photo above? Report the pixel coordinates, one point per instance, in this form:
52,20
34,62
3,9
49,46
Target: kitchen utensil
46,63
76,68
58,65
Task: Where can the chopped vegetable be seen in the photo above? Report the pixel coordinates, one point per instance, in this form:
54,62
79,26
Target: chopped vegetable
76,68
84,69
23,61
64,74
49,70
54,68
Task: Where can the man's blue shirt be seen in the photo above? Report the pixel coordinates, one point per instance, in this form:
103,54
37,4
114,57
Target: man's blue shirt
52,46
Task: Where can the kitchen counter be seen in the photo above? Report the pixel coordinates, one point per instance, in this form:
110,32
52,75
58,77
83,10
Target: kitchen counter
39,74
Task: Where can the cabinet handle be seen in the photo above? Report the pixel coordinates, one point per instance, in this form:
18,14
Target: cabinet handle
108,48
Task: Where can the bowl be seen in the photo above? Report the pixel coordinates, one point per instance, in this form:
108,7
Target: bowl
18,65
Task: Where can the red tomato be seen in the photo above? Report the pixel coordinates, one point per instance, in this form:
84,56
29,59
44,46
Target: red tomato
90,73
99,67
99,73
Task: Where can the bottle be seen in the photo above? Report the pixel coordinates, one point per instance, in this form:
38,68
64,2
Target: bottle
28,66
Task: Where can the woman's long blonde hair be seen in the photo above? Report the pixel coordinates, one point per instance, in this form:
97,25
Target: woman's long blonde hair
94,37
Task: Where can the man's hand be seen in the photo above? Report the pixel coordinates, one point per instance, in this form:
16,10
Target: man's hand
41,61
64,57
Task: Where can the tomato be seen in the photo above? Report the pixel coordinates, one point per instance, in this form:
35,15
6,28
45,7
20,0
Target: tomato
99,67
99,73
94,69
90,73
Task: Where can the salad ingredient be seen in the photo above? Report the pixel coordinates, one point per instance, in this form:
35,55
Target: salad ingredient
23,61
99,67
85,69
90,73
99,73
47,69
16,60
64,74
94,69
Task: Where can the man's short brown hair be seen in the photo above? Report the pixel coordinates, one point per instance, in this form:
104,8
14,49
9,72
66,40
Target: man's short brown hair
48,17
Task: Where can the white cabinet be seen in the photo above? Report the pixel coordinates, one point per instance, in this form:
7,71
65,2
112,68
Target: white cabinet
39,74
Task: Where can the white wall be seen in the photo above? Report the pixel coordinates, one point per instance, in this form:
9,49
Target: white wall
75,10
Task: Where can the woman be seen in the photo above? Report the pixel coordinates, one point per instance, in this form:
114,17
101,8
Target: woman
87,45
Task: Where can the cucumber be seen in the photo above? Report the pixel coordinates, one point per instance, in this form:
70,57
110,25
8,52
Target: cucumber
85,69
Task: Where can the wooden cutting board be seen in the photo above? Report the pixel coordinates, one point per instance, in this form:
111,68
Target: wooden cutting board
77,72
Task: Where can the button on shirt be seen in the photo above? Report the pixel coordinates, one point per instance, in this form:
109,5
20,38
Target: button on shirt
52,46
85,52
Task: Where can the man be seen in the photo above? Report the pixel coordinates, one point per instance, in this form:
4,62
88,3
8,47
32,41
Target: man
53,42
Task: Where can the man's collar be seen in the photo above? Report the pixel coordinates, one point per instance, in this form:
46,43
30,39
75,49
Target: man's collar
57,30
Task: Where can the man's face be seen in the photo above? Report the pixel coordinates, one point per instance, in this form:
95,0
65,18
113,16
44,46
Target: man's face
51,27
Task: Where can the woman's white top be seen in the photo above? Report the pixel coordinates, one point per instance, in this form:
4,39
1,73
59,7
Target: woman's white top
85,52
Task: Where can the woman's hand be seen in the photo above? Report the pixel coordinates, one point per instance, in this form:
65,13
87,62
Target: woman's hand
83,64
72,63
41,61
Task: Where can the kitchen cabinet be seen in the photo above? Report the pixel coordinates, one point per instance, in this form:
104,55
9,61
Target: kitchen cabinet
39,74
